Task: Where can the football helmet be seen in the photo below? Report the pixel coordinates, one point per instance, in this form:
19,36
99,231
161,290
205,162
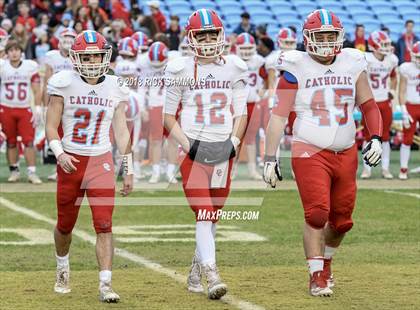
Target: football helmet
286,39
126,68
87,43
380,42
415,54
142,41
203,21
158,54
66,39
245,46
184,48
127,47
4,36
320,21
227,47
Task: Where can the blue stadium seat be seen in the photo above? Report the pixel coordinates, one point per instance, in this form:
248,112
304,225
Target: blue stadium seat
413,16
204,4
230,4
380,4
386,17
178,4
304,10
180,11
407,8
230,10
233,19
251,6
275,7
379,10
372,25
306,5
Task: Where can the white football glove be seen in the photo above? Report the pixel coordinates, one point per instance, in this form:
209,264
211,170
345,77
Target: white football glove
407,119
272,101
372,152
37,116
272,172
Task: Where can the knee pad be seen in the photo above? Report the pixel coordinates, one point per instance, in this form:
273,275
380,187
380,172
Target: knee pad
103,226
408,140
28,144
316,217
342,226
64,229
11,145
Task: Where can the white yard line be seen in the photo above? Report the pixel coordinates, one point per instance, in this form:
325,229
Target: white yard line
229,299
414,195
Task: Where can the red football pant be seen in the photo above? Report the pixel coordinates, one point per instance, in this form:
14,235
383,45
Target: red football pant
156,123
385,107
95,177
327,185
17,122
254,121
414,111
290,121
196,179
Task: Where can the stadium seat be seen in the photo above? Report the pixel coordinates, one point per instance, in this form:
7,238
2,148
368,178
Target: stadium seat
403,9
233,19
179,4
380,10
252,6
387,17
380,4
204,4
371,26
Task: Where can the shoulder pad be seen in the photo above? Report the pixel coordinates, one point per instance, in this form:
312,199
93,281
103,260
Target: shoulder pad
238,62
354,53
61,79
260,59
31,63
50,53
115,79
288,61
394,60
404,67
176,65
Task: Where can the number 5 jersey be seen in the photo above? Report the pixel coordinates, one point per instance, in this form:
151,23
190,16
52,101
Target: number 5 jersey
88,111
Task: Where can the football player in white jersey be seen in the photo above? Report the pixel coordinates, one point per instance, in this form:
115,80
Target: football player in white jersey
323,85
382,74
4,36
246,50
184,48
86,101
56,61
409,95
207,86
20,83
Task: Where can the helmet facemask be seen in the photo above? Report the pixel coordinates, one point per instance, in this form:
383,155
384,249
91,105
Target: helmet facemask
415,58
205,49
91,70
323,49
246,51
385,47
287,44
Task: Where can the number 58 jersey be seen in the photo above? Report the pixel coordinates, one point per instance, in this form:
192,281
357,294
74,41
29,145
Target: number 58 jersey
325,98
88,111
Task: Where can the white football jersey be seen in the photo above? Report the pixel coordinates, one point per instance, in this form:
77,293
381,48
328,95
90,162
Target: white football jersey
134,106
325,98
255,82
208,106
58,62
379,73
412,74
271,60
153,86
16,91
125,67
88,111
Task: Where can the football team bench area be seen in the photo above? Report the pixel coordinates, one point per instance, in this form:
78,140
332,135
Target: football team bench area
260,258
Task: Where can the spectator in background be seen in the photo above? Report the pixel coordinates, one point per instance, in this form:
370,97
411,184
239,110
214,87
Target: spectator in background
360,42
173,33
148,26
7,25
83,17
41,46
24,18
120,11
20,34
66,22
94,11
405,42
2,9
78,27
245,25
157,15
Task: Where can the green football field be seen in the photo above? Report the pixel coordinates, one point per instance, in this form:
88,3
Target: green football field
261,260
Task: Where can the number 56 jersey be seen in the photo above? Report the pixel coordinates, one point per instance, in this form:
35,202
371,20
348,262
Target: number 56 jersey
88,111
325,98
210,104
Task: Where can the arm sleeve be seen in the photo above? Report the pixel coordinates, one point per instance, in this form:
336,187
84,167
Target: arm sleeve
372,116
286,93
53,90
173,95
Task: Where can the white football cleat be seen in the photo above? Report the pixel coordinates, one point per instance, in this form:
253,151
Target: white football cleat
34,179
415,170
318,285
107,294
52,177
171,179
194,278
386,174
62,281
366,174
14,177
255,176
403,175
215,287
154,179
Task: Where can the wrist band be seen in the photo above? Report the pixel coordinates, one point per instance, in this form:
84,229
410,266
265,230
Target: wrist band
56,147
127,164
235,141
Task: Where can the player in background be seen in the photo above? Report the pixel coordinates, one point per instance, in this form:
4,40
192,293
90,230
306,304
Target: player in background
56,61
409,96
382,74
19,82
246,50
227,49
184,48
86,101
143,43
4,36
323,85
212,122
126,68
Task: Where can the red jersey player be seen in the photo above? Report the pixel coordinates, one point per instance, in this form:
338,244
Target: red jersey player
209,132
86,101
323,85
18,77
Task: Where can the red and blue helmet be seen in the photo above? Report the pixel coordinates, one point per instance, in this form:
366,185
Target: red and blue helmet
66,39
142,41
380,42
127,47
204,21
321,21
415,54
245,46
87,43
158,54
286,39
